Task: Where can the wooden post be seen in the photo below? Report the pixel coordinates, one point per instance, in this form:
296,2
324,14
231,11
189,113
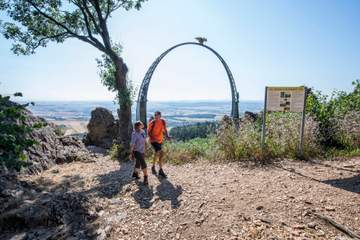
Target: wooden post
302,127
263,130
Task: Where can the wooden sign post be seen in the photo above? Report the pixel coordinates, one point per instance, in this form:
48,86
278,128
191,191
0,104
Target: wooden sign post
285,99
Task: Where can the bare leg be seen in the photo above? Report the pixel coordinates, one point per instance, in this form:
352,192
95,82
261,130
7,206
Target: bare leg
146,181
156,156
161,164
153,170
161,158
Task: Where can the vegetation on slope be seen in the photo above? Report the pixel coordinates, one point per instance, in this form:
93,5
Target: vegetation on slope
332,128
14,139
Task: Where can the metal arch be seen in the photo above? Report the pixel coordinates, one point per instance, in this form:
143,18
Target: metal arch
142,97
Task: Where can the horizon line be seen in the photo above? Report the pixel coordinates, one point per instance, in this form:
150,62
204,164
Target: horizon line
107,100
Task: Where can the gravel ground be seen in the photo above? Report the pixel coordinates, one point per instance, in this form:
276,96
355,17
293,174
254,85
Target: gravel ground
209,201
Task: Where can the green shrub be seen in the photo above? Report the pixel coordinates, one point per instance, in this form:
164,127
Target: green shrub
242,141
188,151
283,136
118,152
114,151
198,130
334,114
60,129
348,130
14,133
238,142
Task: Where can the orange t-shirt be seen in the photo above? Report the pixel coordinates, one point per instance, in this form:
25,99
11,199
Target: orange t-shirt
156,130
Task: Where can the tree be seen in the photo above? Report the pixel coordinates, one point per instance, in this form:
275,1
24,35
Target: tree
35,23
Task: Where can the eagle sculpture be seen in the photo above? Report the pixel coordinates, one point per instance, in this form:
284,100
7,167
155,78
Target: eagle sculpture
201,40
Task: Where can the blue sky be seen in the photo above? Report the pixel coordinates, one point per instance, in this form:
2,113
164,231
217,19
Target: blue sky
274,43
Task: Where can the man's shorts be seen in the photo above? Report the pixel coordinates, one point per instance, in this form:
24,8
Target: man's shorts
157,146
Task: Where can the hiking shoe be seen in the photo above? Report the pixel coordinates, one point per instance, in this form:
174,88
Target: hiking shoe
161,173
135,175
153,170
146,182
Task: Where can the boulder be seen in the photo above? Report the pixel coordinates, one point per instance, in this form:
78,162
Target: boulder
102,128
251,116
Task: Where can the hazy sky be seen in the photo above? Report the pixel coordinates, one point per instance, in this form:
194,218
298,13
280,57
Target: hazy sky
290,43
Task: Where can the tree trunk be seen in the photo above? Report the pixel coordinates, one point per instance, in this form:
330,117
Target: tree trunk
124,112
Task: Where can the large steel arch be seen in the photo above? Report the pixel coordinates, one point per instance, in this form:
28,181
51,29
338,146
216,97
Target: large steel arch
142,97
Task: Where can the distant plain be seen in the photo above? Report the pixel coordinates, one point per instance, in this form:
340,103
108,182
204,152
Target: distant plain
76,114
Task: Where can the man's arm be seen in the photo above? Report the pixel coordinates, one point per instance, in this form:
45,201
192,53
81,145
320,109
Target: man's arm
149,129
166,131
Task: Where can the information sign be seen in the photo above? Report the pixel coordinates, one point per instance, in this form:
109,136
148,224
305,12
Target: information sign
285,99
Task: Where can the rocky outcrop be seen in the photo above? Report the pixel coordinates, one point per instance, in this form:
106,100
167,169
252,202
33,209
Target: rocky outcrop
29,211
102,128
50,148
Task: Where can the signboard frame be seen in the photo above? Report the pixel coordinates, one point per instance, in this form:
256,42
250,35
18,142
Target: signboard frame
302,126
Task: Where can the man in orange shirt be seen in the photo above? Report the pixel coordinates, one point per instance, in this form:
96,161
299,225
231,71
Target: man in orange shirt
156,130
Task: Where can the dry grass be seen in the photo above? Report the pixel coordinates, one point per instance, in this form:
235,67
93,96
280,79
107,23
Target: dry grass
348,129
241,141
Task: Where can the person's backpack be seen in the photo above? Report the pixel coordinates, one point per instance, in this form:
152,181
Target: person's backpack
153,126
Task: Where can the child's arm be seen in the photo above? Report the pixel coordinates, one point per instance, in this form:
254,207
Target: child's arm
146,144
132,146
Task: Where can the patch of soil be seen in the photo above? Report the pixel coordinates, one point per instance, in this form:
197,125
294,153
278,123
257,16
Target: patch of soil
99,200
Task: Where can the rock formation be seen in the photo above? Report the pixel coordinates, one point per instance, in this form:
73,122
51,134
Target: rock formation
51,148
102,128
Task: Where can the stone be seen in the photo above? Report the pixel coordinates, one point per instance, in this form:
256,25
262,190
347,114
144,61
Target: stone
300,226
102,128
312,225
320,233
101,234
259,208
329,208
266,220
295,233
232,232
339,237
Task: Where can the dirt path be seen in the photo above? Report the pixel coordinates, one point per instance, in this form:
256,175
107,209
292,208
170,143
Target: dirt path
210,201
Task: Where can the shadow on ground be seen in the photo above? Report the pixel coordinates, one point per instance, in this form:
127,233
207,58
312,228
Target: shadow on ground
347,168
351,184
168,192
165,190
113,182
45,210
144,195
